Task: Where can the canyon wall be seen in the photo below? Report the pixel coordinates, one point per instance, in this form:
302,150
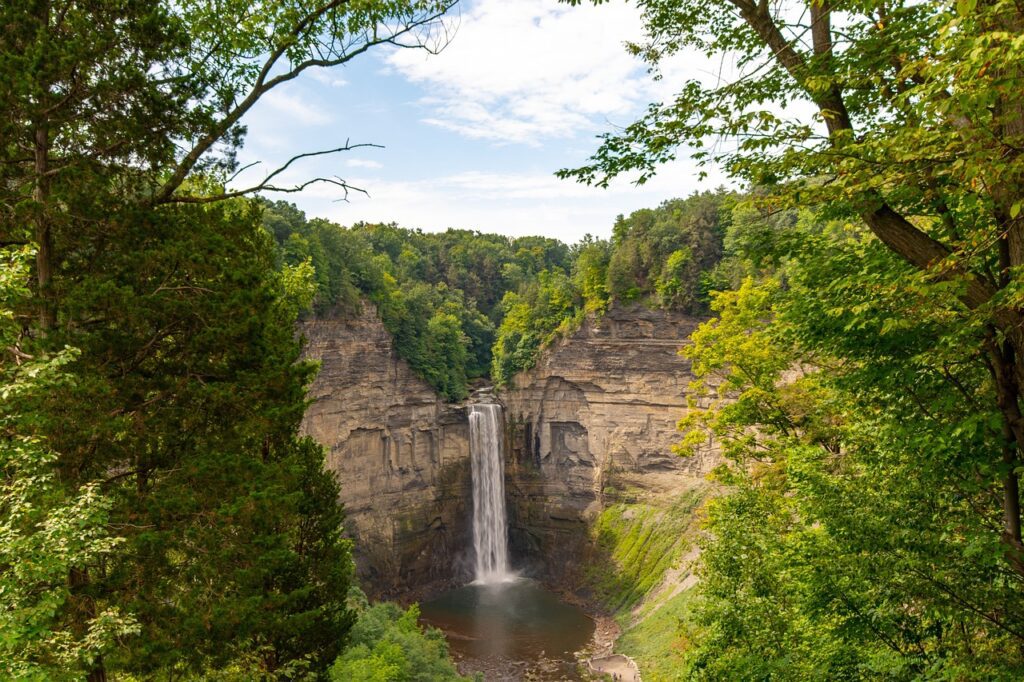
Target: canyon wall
596,417
400,453
592,421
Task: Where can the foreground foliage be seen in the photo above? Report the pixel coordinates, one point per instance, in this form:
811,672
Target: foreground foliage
160,516
179,409
876,355
858,418
389,645
45,532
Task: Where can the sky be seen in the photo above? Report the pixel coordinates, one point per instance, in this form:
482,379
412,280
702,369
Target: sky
471,137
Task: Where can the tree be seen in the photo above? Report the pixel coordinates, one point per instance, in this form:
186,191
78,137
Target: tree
118,88
918,133
664,254
45,532
857,421
214,530
533,318
389,645
590,272
183,403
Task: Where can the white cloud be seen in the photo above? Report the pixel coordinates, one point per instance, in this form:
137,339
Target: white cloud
296,107
531,69
521,203
327,77
363,163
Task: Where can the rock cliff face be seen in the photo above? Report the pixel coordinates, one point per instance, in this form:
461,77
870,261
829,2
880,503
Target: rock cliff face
599,410
401,455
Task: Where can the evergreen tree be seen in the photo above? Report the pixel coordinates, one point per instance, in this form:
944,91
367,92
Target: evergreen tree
209,531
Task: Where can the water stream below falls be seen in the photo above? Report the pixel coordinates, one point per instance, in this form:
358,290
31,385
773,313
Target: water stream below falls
501,624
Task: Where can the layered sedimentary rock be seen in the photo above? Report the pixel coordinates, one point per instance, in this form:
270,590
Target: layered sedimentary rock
595,417
401,454
597,413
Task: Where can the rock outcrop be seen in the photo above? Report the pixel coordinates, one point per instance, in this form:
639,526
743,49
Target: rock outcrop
595,417
597,412
400,453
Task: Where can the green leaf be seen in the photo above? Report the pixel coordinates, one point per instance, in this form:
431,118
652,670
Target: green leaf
965,7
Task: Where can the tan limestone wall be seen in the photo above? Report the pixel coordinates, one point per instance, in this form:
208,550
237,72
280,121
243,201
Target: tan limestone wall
599,409
400,453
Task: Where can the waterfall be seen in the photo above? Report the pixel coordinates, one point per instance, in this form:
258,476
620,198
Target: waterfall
490,532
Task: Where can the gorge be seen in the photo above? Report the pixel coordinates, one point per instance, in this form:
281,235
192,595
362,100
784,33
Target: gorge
240,442
589,427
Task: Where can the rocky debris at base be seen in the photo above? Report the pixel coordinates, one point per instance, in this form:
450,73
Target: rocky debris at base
605,634
497,669
623,666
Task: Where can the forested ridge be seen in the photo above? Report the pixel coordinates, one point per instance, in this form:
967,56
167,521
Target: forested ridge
464,305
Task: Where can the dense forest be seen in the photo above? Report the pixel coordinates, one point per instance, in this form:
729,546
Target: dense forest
859,362
463,305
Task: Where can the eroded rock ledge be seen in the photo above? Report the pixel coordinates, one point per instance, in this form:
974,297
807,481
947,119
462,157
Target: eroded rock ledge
598,411
401,454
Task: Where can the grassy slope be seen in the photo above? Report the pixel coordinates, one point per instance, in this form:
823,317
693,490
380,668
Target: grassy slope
641,548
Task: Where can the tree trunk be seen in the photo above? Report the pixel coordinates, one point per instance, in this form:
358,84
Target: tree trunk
1003,364
83,610
43,233
98,673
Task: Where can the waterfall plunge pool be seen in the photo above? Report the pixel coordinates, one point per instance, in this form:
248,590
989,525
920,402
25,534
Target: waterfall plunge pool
506,628
502,625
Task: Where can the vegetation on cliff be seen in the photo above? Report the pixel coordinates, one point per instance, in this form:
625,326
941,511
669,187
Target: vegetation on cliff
463,305
643,546
438,294
663,257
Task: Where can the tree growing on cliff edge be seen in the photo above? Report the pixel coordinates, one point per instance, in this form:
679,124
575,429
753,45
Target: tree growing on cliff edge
918,133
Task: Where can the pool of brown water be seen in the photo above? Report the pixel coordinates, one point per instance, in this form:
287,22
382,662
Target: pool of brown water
509,627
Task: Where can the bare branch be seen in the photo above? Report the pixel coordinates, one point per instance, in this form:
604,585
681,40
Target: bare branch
264,83
209,199
266,186
240,171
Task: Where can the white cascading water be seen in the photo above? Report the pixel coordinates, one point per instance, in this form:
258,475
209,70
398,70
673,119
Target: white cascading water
490,531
